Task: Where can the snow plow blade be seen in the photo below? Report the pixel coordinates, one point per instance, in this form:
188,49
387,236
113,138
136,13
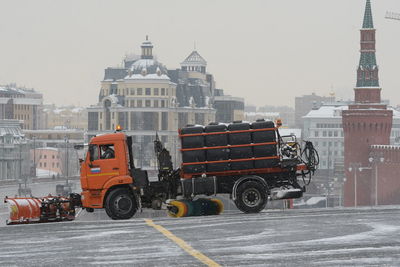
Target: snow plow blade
199,207
286,194
41,210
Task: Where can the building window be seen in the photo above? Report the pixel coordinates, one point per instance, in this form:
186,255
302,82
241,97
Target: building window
52,165
155,91
316,133
132,103
132,91
139,103
148,91
40,164
52,156
163,103
324,133
139,91
162,91
330,133
155,103
148,103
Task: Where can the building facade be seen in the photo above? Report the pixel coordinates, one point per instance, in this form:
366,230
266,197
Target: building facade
14,152
21,104
144,100
305,103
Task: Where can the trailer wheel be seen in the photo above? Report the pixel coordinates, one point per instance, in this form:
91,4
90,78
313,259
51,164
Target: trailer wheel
251,197
120,204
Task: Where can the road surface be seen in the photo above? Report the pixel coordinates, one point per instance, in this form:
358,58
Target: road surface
323,237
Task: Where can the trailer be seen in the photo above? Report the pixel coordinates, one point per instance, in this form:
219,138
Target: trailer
249,161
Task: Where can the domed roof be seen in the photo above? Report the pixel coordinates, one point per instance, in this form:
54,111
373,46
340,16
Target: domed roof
147,67
151,66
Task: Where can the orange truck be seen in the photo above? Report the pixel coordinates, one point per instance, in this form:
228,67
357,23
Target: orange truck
250,162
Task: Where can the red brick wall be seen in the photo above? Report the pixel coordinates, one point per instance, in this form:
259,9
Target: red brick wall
362,128
388,174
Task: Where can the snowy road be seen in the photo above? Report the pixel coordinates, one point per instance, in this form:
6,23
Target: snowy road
332,237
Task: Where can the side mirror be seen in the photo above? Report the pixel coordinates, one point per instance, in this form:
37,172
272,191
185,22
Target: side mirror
91,152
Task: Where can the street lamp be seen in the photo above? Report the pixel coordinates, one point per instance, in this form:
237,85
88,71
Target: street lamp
34,156
376,159
66,158
355,166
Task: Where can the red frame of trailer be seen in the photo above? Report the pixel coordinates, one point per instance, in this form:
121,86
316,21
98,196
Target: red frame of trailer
300,167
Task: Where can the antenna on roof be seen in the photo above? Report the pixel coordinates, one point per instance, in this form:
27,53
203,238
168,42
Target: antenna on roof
147,37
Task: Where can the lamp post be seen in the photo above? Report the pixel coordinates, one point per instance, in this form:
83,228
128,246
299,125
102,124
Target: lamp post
34,156
355,166
66,158
375,159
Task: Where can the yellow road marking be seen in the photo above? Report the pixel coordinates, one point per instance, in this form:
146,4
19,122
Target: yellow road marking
185,246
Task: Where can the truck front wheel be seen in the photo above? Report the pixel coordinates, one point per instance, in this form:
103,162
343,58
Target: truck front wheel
251,197
120,204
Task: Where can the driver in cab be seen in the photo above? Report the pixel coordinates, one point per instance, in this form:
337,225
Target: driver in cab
107,152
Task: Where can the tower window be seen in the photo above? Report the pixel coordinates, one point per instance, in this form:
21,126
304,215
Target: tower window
162,91
139,91
148,91
155,91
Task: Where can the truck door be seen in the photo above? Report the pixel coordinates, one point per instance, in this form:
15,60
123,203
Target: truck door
103,165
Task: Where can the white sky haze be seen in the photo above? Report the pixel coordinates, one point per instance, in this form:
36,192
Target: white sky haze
268,51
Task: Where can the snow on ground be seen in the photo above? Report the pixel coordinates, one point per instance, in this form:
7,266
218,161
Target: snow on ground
329,237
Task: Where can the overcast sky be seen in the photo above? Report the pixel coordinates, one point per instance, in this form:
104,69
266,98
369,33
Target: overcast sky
268,51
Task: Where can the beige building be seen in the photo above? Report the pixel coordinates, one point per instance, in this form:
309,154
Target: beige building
69,117
21,104
143,99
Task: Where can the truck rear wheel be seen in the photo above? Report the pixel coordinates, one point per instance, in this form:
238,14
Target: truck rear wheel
251,197
120,204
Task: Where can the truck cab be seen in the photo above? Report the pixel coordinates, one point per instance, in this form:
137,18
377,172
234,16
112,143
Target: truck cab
106,175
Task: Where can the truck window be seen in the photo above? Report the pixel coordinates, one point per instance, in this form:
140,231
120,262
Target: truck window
107,151
93,152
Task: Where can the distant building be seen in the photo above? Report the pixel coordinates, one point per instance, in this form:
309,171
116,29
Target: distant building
59,142
229,108
21,104
14,152
48,161
144,100
303,104
253,116
69,117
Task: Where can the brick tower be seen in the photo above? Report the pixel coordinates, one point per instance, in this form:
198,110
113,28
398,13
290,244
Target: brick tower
367,121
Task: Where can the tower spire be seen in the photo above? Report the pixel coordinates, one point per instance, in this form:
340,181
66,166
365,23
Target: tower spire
367,73
368,21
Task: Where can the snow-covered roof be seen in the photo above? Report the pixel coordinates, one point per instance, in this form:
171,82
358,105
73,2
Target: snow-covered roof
327,111
335,111
47,148
147,77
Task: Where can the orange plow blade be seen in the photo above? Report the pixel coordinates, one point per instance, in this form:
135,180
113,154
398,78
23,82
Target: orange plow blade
39,210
